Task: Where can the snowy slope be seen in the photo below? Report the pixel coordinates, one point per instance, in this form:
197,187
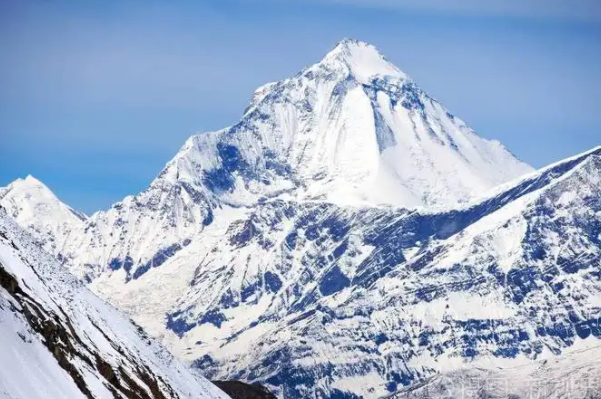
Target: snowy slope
574,375
57,340
317,299
351,129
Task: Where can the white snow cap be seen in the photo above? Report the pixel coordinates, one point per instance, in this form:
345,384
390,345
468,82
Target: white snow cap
28,188
34,206
30,182
363,60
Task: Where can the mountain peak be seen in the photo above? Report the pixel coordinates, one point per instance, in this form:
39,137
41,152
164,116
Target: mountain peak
363,60
31,203
29,180
352,128
350,42
347,45
30,186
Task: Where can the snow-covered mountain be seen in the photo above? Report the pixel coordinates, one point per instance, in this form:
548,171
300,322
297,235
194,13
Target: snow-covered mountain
349,237
58,340
316,299
38,210
351,129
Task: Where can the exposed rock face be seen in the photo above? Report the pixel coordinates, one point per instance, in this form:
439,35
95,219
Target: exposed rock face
240,390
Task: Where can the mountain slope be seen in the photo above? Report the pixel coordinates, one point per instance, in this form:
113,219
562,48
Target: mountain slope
57,340
366,300
351,128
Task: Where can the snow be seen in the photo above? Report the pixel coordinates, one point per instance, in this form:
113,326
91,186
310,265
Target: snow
574,375
364,385
347,233
28,370
95,331
363,60
36,208
351,129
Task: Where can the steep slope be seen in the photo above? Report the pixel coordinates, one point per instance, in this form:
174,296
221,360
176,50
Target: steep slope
315,299
351,129
57,340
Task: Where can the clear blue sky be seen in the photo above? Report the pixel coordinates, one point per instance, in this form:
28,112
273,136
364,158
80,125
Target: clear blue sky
96,96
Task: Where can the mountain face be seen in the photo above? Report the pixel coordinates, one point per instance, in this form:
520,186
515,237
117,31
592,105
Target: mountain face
318,300
57,340
350,238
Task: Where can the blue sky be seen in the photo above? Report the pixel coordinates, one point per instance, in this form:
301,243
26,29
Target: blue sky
95,97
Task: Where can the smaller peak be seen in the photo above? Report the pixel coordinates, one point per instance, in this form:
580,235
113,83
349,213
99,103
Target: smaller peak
30,193
28,181
30,186
363,60
32,180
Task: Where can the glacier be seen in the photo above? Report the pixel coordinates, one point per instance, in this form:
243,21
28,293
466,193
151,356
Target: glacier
348,237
